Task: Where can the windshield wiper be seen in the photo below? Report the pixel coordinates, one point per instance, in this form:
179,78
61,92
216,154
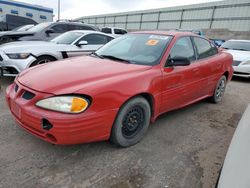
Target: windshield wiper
115,58
97,55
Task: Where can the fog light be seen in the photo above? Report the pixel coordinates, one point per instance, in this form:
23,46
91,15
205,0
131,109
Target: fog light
46,125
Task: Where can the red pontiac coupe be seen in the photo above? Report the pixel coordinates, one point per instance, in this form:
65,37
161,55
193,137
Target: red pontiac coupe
115,92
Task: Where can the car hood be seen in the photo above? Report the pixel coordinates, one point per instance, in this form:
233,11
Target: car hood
239,55
19,33
28,46
71,75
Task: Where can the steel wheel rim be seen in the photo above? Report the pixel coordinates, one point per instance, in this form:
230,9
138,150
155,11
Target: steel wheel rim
220,89
133,122
43,61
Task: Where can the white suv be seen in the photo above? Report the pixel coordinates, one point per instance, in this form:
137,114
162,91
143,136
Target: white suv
114,31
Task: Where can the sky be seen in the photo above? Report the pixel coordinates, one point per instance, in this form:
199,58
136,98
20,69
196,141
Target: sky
71,9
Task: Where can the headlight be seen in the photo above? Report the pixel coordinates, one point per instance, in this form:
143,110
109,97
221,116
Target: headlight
18,55
246,63
66,104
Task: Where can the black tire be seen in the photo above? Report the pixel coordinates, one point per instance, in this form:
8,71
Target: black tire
219,90
131,123
42,60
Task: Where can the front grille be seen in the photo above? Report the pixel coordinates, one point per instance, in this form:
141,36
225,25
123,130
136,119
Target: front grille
10,70
28,95
236,63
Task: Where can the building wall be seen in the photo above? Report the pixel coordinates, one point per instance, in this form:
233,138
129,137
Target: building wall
37,13
228,14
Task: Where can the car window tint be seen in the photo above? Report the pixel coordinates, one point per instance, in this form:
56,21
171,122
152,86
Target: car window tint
60,28
107,30
80,27
118,31
95,39
183,48
109,38
204,48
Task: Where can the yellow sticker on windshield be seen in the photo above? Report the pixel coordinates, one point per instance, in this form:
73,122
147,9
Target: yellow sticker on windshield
152,42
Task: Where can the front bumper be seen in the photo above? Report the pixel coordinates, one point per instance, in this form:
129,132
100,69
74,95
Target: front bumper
242,71
67,128
12,67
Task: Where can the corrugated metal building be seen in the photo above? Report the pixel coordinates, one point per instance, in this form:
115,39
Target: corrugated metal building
35,12
230,14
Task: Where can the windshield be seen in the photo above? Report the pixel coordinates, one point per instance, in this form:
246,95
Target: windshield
67,38
145,49
22,28
236,45
39,27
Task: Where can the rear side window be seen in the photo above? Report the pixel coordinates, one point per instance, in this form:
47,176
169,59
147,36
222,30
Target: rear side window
107,30
183,48
95,39
120,31
60,28
80,27
204,48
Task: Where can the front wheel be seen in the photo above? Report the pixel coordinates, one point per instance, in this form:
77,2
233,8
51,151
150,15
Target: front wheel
131,122
42,59
219,90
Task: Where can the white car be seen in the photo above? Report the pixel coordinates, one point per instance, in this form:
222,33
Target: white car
114,31
235,171
17,56
240,50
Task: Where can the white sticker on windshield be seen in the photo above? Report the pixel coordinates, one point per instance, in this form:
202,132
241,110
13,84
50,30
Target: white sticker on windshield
161,37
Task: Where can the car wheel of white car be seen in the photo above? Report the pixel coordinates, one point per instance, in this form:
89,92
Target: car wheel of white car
42,60
219,90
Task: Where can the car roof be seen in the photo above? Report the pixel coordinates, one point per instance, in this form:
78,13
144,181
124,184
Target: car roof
171,33
89,32
114,28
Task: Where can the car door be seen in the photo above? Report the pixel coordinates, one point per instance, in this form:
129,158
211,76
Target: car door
210,64
181,83
94,42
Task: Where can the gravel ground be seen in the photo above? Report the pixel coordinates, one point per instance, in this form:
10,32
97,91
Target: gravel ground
184,148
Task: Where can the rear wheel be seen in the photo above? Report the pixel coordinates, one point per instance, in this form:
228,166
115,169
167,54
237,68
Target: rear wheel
219,90
131,123
42,60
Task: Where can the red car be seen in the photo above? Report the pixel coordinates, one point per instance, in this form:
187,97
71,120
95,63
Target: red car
115,92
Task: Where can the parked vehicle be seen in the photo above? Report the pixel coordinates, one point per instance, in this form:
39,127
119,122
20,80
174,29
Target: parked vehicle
235,171
9,22
195,31
17,56
218,42
114,31
115,92
23,27
20,28
45,31
240,50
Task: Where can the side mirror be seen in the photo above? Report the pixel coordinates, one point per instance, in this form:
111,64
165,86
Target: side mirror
49,31
82,43
178,61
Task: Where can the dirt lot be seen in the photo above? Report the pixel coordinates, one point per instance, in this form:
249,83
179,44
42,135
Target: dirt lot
184,148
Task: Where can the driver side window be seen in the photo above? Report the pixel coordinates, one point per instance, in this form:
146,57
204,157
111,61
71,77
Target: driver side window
183,48
95,39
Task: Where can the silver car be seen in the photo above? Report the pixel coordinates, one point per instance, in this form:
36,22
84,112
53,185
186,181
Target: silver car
240,50
17,56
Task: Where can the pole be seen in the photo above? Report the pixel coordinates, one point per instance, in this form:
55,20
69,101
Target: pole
59,9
